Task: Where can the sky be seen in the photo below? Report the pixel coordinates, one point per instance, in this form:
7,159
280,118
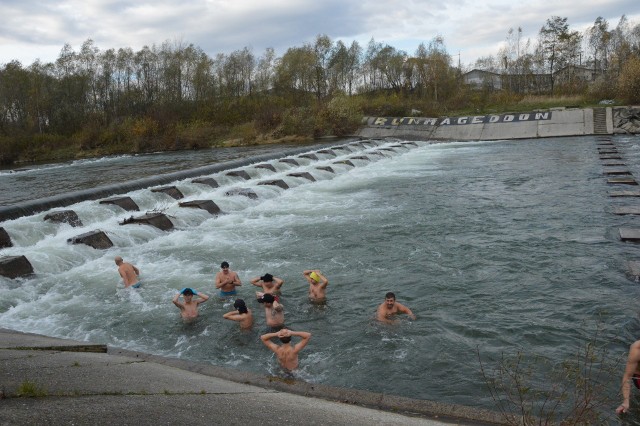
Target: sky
38,29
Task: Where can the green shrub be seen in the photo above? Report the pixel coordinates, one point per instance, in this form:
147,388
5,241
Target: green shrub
629,81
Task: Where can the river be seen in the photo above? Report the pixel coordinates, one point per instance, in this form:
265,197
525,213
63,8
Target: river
497,247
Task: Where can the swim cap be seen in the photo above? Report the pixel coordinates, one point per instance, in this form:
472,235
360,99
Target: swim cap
315,277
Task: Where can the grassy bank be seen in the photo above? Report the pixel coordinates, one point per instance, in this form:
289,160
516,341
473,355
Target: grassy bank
268,124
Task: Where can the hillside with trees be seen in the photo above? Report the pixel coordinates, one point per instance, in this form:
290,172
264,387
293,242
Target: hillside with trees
174,96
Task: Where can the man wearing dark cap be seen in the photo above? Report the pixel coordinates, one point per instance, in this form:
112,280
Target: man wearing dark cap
268,283
242,314
273,312
227,281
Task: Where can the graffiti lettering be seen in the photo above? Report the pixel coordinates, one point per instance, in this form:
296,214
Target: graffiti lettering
453,121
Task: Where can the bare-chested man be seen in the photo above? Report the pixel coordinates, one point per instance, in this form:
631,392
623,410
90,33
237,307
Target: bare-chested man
189,307
388,310
227,281
128,272
631,373
273,312
268,283
287,355
242,314
317,285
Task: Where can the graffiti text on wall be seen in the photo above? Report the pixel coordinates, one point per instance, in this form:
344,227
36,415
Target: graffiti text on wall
450,121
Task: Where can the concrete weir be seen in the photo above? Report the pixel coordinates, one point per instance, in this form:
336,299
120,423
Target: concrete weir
527,125
43,204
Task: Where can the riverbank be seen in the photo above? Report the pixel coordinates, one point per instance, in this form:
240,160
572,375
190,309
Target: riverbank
54,381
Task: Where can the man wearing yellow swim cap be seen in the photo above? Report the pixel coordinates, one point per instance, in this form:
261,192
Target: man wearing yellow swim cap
317,285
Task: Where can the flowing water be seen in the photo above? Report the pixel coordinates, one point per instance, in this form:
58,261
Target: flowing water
495,246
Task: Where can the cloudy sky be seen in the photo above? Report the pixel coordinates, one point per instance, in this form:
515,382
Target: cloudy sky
38,29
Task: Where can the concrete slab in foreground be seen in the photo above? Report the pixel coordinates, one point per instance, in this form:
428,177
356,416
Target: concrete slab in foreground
44,381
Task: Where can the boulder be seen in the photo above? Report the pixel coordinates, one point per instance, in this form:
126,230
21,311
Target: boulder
276,182
290,161
346,162
361,157
124,202
171,191
207,205
265,166
245,192
305,175
309,156
5,240
206,181
159,220
327,151
240,173
96,239
326,169
15,266
65,216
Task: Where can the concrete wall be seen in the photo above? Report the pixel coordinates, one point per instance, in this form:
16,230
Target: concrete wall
535,124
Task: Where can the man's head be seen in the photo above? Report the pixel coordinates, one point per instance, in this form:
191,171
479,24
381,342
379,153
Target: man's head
187,293
285,339
118,260
315,277
240,306
224,266
267,299
390,299
267,278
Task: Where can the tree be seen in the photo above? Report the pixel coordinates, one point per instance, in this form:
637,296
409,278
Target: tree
599,38
559,46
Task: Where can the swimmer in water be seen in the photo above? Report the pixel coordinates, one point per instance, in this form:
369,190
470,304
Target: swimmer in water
388,310
242,314
227,281
317,285
189,307
268,283
128,272
287,355
631,373
273,312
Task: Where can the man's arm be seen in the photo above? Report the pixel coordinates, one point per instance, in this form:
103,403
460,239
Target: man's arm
632,364
232,315
381,314
266,339
203,298
278,282
405,310
256,281
324,282
302,343
176,301
236,279
218,280
136,270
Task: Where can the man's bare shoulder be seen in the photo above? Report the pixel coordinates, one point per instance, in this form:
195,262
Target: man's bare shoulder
634,349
